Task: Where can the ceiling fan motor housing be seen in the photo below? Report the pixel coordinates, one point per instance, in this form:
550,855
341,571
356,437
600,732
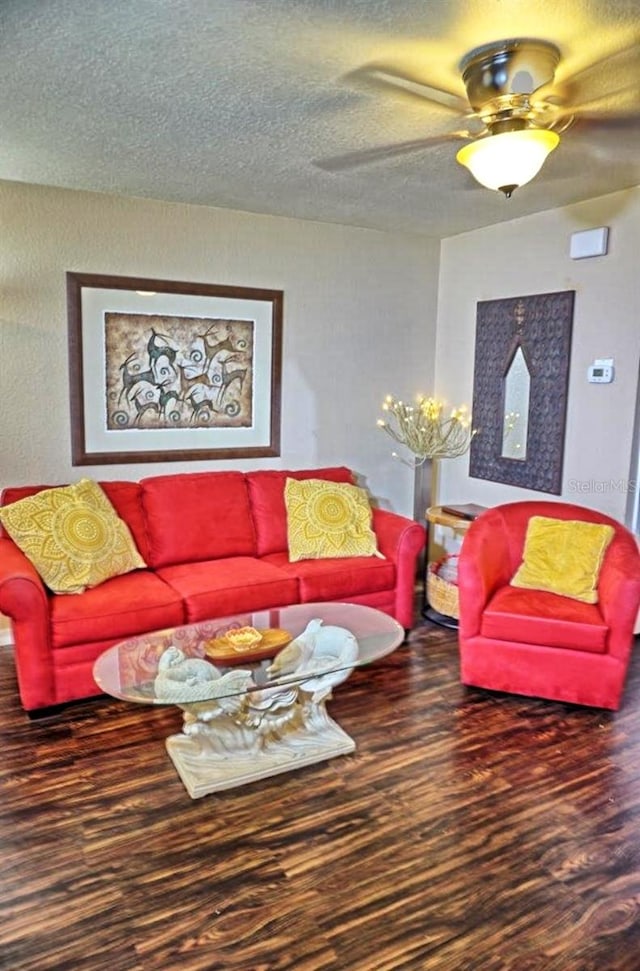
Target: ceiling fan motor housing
500,77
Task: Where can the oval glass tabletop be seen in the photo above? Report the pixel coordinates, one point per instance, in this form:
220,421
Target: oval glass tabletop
311,645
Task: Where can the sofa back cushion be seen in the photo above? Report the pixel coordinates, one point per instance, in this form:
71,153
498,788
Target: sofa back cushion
125,497
73,536
197,516
266,490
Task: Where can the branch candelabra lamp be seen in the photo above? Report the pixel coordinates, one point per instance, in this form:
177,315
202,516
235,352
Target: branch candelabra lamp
430,433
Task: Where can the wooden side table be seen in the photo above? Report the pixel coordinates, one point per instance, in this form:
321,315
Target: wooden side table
457,518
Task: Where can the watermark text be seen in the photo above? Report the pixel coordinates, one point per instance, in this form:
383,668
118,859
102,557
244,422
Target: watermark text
599,486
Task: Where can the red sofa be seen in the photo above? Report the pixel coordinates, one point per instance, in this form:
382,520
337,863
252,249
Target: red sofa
537,643
215,544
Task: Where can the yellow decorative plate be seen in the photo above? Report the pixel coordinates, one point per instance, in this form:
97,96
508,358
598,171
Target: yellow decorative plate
234,648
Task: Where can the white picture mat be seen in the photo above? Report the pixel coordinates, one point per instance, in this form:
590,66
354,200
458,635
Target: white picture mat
95,302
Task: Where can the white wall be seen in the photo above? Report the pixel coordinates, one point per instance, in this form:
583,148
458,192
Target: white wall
359,322
528,256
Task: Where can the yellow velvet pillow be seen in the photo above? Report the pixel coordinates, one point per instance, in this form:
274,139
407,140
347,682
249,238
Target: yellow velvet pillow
326,519
563,556
72,535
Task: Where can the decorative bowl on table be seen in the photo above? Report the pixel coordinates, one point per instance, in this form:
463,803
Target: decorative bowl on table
242,644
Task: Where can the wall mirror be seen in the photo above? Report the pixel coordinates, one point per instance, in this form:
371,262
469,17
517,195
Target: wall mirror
515,407
520,382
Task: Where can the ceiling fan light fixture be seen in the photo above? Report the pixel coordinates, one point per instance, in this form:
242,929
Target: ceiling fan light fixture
506,161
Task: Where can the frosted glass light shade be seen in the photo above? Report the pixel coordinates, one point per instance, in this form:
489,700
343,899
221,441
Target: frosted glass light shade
506,161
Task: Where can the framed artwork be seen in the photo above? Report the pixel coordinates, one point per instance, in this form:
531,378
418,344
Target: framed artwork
520,384
163,371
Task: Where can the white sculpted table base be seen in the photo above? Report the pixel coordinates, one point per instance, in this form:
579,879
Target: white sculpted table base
219,748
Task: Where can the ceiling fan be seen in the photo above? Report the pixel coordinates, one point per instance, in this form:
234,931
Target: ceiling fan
514,112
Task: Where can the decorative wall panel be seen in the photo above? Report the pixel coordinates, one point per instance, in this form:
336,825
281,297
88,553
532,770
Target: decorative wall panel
540,326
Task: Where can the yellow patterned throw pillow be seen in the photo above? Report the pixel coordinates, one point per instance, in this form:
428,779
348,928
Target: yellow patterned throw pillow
564,556
72,535
326,519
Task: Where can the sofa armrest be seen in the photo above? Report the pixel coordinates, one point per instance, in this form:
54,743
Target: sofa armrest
21,589
619,594
23,598
484,565
401,540
397,534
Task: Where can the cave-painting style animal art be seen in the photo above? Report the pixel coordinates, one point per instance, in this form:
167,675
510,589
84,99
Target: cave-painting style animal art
167,372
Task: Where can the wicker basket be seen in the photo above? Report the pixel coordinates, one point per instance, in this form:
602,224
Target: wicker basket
441,594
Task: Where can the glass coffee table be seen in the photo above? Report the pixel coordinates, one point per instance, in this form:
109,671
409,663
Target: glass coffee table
252,687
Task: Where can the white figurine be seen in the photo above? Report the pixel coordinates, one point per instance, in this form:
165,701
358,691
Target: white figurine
189,679
174,665
318,659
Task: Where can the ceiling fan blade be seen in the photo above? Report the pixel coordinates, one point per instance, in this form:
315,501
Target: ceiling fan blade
620,104
629,122
390,78
367,156
606,77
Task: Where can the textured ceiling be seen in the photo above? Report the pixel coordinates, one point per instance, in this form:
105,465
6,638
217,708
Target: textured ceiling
233,103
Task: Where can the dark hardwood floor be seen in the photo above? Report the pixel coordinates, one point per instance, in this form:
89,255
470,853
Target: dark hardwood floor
468,832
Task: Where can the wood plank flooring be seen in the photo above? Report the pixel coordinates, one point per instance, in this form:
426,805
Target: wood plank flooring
468,832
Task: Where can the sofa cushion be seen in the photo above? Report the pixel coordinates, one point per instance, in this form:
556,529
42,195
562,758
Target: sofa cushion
197,516
266,490
337,579
72,535
117,609
126,499
537,617
327,520
563,556
219,588
124,496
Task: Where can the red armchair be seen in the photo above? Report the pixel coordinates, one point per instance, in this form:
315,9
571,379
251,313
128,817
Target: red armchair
536,643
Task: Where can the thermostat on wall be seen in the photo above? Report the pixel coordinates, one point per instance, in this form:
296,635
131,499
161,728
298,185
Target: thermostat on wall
601,372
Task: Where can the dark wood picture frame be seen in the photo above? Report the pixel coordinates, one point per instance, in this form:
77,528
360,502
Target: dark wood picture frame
541,324
94,300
